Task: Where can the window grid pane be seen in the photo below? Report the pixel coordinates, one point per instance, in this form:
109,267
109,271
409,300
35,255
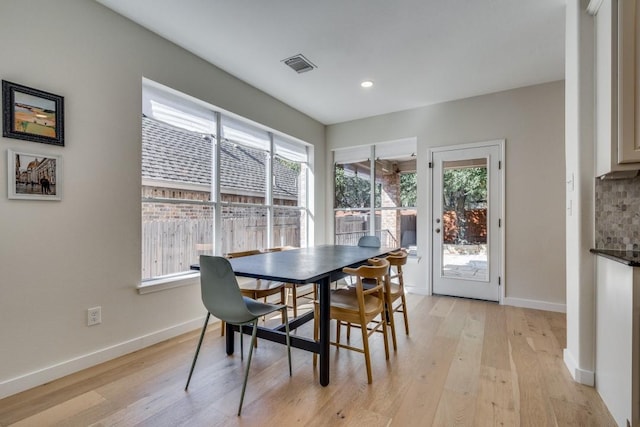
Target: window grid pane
174,235
288,182
352,185
244,228
242,173
287,227
350,225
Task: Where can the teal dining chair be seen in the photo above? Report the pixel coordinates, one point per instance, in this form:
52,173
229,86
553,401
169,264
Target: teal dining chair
364,242
222,298
369,242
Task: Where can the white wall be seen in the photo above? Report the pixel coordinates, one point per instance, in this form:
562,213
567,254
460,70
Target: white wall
531,120
59,258
579,356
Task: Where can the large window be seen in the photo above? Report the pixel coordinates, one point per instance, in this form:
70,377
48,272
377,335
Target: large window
375,194
213,184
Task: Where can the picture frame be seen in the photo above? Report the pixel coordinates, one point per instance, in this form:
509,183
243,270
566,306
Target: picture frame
32,115
34,176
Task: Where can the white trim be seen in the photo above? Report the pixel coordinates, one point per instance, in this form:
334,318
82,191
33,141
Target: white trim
355,154
417,290
162,284
579,375
59,370
465,146
535,304
399,148
594,6
503,217
164,183
185,96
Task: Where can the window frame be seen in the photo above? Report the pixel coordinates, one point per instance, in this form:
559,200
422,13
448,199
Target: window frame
405,147
216,202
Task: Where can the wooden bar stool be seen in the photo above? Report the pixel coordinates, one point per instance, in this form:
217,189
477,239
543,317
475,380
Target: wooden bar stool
394,291
359,306
292,289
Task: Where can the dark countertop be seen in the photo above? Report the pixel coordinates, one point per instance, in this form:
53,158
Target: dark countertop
630,258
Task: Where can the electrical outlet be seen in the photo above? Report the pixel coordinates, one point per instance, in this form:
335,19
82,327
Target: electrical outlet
94,316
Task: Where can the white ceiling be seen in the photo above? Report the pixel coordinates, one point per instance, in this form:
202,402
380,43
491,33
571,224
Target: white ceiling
417,52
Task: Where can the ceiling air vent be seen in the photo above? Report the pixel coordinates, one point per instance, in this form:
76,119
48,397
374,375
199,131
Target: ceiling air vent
299,63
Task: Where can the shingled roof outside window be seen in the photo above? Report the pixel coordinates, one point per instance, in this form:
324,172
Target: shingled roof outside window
179,156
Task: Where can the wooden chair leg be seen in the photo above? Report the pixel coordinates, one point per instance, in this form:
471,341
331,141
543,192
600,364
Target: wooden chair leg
286,302
365,347
294,304
388,313
385,334
283,300
404,312
288,339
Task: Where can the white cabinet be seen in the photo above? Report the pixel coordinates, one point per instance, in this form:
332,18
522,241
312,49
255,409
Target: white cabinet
618,339
629,81
617,78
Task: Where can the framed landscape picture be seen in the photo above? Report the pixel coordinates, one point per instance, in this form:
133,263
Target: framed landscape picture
32,115
34,176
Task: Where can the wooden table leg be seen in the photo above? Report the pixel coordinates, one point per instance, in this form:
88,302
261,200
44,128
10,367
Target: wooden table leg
229,338
325,304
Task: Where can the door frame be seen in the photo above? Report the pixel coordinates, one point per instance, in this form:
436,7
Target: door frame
500,143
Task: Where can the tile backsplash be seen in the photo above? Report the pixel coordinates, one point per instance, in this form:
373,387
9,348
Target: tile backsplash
617,214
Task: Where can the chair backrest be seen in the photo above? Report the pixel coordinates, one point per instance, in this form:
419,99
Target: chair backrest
397,258
243,253
378,269
408,238
279,249
369,242
220,292
245,282
378,261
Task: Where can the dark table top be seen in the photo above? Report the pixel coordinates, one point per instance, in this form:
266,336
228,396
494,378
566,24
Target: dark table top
630,258
304,265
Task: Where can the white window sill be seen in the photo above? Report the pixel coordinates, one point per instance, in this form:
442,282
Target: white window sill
156,285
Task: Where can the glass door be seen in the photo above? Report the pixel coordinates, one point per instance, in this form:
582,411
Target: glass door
467,223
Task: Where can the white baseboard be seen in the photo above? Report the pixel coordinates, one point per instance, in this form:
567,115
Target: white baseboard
579,375
59,370
417,290
535,304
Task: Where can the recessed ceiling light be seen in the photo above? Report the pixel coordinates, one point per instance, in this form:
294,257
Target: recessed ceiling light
366,83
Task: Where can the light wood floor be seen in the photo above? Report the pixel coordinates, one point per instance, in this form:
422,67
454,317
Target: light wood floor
465,363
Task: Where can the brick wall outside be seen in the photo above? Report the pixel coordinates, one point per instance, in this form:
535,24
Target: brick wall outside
476,226
391,199
168,211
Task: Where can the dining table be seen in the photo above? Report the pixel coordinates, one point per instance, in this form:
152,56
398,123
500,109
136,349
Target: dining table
319,265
